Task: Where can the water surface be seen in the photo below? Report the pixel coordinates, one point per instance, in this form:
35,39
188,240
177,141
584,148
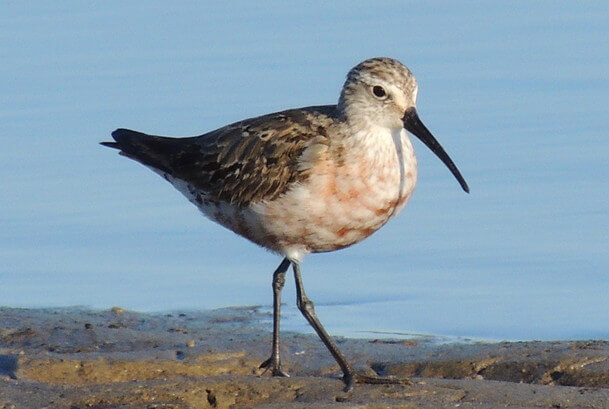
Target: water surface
517,93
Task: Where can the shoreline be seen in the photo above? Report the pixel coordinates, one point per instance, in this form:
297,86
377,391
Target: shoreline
79,358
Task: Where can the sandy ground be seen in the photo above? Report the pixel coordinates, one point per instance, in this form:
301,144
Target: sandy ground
78,358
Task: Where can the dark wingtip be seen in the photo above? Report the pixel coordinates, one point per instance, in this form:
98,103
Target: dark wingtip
110,145
121,136
115,135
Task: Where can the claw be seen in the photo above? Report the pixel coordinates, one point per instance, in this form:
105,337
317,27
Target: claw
275,368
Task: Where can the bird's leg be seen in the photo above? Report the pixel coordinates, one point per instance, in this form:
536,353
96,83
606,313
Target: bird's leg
274,363
306,307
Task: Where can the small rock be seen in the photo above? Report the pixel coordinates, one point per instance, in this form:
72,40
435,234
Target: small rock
117,310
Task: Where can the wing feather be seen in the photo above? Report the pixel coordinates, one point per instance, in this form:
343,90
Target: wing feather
248,161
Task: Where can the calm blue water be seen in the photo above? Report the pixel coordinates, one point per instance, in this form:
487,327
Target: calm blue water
517,93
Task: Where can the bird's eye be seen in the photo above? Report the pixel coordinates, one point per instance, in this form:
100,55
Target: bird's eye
379,92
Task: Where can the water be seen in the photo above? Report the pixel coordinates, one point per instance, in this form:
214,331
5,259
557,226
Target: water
517,93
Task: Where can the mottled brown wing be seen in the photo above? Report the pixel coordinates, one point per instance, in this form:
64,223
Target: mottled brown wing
248,161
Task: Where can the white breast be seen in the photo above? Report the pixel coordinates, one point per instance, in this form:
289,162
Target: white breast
341,204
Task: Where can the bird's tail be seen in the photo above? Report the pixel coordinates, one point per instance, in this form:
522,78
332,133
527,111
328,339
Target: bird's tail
147,149
127,140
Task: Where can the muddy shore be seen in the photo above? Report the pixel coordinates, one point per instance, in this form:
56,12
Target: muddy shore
78,358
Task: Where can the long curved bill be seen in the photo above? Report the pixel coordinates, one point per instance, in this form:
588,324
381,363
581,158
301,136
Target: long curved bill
413,124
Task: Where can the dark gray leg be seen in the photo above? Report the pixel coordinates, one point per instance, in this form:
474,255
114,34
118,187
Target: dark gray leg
274,363
306,307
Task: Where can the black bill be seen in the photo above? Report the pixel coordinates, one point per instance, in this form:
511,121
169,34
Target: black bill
413,124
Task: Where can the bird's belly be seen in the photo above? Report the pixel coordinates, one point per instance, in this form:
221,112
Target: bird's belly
338,206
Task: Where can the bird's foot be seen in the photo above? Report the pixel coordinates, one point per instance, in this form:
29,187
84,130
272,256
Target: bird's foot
274,366
350,379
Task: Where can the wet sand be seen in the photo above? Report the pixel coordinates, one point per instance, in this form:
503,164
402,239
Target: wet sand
78,358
